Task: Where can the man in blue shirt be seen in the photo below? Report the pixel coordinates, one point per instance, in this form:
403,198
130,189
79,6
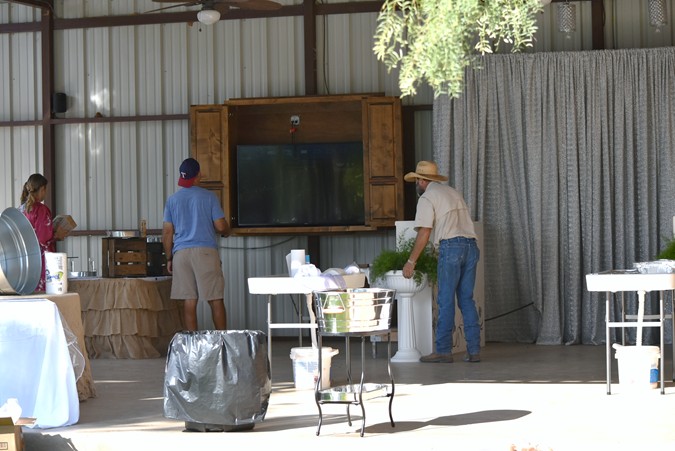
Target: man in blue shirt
192,218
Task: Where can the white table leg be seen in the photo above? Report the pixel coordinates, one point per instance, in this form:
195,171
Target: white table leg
640,317
269,332
608,357
312,320
662,365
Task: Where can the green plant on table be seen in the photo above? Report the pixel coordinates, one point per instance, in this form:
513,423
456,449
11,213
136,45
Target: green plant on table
395,259
668,253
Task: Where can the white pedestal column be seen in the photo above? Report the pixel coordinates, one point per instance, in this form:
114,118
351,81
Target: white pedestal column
405,290
407,346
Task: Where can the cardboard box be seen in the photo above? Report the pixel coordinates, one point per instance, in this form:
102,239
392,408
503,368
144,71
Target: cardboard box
66,223
11,434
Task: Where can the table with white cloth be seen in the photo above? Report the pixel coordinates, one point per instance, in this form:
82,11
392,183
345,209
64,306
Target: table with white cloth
275,285
36,364
71,311
614,281
127,318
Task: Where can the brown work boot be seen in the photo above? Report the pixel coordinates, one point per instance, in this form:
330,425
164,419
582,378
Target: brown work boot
437,358
473,358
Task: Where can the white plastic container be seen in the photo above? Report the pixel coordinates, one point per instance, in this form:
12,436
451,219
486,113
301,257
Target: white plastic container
11,408
638,366
306,367
56,273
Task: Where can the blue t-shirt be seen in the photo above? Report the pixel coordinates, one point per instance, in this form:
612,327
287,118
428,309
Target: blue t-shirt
192,212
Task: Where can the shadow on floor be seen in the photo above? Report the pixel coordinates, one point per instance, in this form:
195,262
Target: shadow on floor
36,440
486,416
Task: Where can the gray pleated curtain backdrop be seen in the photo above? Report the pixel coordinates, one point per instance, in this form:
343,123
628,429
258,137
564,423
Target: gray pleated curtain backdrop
568,159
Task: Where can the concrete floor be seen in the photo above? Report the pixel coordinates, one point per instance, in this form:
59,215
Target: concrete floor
520,397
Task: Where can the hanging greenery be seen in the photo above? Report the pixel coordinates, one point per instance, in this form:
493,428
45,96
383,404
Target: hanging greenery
435,40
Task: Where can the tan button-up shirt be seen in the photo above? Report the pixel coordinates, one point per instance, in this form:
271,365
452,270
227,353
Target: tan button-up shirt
443,209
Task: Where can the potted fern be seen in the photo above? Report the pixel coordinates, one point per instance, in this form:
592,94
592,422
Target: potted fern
394,260
387,269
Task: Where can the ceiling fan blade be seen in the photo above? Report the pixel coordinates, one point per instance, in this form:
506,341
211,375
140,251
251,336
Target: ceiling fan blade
194,2
258,5
172,6
222,7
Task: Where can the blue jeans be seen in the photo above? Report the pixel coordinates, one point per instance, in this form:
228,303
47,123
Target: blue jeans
457,260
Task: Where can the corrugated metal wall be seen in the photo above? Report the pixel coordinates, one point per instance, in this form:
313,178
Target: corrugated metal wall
112,175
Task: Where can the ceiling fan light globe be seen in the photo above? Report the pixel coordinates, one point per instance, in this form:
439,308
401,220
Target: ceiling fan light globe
208,16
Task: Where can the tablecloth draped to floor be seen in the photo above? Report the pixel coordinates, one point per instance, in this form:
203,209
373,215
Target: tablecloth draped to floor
70,307
36,364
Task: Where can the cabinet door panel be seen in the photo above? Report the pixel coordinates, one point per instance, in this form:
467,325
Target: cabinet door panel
383,202
208,144
384,160
208,133
381,140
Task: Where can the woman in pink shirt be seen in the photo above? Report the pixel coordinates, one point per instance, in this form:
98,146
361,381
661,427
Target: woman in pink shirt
40,217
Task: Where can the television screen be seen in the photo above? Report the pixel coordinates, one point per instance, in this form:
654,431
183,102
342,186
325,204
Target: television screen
293,185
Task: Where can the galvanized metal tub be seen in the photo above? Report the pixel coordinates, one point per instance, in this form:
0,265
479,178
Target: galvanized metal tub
20,258
354,310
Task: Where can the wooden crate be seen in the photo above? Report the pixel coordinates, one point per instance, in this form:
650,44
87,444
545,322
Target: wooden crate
124,257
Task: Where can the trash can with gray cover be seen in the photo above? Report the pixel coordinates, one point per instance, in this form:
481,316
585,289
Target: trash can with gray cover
217,380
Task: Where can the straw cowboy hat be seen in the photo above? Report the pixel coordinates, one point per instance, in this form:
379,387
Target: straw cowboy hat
425,170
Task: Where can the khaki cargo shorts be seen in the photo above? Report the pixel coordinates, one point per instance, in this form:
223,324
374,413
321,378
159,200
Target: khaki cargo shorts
197,274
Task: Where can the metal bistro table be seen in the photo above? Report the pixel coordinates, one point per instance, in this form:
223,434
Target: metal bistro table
354,313
630,280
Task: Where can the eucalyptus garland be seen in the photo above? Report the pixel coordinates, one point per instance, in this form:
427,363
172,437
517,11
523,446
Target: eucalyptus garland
435,40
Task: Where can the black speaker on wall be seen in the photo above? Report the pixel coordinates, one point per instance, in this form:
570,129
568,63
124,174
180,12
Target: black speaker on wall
59,102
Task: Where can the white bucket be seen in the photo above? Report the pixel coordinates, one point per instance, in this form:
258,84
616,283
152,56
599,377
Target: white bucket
56,272
638,366
306,367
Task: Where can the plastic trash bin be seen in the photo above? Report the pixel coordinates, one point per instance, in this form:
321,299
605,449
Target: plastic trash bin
217,380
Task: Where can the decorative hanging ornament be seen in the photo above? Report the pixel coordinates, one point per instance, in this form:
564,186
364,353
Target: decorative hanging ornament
567,17
657,13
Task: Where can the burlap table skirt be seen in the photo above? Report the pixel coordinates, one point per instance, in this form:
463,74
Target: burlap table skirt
127,318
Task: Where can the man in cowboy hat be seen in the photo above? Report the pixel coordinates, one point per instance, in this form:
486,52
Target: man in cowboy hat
192,217
442,211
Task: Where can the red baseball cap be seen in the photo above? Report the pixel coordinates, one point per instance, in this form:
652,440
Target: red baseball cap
188,172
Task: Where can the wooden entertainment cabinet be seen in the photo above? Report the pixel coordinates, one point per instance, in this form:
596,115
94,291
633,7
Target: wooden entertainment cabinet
375,120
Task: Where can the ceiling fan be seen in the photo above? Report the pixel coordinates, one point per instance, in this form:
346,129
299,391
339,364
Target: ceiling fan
212,9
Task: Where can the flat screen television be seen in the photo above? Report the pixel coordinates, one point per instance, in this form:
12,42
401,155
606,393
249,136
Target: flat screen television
300,185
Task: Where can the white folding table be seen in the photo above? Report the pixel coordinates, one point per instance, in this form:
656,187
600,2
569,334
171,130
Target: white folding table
630,280
275,285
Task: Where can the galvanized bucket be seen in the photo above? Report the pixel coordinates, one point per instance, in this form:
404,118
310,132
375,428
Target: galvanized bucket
354,310
20,259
